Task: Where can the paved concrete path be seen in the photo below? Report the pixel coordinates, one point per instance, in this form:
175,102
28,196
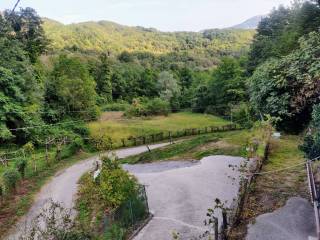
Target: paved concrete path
181,192
295,221
63,186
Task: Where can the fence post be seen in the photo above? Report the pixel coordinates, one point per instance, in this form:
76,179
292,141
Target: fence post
123,142
144,139
170,137
47,158
216,229
146,198
135,141
224,224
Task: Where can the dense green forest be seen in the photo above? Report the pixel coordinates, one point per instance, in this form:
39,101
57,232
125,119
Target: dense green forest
103,36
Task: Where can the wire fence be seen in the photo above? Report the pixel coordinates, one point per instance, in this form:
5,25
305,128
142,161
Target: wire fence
237,206
171,135
124,221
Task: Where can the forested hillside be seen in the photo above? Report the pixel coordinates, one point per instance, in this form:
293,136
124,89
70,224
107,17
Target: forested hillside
109,36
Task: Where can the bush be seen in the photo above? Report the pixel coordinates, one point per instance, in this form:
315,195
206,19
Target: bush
148,107
242,115
21,165
116,106
10,179
115,232
76,145
311,144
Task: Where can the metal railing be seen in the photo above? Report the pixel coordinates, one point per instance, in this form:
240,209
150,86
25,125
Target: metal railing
314,196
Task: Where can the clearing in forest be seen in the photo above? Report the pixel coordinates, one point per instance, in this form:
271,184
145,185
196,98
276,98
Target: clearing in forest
117,127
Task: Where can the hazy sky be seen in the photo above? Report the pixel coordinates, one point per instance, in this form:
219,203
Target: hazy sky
168,15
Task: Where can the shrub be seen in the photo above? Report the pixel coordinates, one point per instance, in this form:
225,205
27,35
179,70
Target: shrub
10,179
76,145
116,186
116,106
21,165
115,232
148,107
311,144
242,115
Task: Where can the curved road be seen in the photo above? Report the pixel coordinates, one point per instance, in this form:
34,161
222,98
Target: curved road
63,187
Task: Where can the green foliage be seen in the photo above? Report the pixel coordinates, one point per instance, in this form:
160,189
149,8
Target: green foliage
115,185
55,222
115,232
278,34
285,88
21,165
148,107
102,75
70,90
106,36
242,114
19,91
27,26
226,86
10,178
311,145
116,106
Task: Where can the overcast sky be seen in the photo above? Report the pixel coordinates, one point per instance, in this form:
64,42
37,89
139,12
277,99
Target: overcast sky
167,15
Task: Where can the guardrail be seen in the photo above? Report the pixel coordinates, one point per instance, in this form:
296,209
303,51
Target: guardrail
314,196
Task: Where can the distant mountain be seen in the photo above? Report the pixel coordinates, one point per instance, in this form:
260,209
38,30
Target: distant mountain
110,36
251,23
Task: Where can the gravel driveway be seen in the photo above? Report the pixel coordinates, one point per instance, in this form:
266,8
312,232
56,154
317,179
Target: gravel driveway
181,192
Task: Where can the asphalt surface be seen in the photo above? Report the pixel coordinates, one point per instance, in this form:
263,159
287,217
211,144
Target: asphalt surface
295,221
180,194
63,186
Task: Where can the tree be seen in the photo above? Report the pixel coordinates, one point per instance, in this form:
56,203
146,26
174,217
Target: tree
226,86
148,83
27,25
287,88
103,79
278,34
70,90
186,81
118,86
168,86
20,91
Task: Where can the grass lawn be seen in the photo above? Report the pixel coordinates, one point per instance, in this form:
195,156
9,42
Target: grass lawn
118,128
271,191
